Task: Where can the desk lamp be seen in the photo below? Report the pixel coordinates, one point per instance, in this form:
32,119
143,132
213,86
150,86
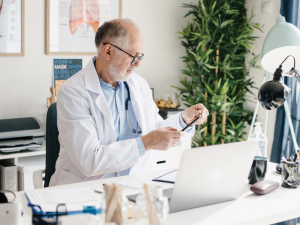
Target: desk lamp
281,43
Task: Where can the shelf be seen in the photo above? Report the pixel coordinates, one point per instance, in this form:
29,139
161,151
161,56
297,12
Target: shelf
24,153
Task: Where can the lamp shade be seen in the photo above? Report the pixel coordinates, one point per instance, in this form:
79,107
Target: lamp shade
282,40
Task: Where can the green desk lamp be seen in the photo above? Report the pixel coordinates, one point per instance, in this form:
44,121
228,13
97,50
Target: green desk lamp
282,41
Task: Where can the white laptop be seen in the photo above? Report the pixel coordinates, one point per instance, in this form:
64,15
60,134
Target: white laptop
209,175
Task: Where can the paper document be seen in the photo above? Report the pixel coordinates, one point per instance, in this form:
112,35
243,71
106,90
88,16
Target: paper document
15,143
18,148
74,199
129,187
67,196
169,177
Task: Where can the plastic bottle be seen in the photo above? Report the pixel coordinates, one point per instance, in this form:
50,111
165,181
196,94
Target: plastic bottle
161,204
261,152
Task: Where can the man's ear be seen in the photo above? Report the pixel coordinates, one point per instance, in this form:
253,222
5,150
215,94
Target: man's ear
107,52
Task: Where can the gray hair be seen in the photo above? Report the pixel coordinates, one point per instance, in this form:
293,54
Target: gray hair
113,32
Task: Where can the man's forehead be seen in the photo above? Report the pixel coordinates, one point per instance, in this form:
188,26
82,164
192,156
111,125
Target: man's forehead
136,42
136,48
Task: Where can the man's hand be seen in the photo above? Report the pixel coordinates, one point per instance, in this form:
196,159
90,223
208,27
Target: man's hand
191,113
162,139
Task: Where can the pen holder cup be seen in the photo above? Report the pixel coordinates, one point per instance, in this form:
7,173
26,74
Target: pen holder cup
290,176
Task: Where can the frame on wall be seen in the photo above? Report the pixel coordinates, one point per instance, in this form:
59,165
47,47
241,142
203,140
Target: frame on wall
74,34
15,28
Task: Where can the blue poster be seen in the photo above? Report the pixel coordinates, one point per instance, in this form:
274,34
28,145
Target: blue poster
63,69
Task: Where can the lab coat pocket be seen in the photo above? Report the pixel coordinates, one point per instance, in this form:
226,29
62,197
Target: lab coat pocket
66,177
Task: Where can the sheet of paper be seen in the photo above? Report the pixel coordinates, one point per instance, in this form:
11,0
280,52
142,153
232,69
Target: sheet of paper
18,148
67,196
15,143
74,199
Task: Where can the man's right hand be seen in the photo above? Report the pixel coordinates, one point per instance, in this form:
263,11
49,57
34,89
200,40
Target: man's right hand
162,139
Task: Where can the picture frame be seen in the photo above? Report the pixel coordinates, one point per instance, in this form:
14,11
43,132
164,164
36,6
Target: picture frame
71,27
152,91
12,28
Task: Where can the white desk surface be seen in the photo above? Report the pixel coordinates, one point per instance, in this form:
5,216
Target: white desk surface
280,205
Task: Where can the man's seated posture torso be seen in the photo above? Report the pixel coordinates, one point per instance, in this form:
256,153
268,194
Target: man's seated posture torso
107,120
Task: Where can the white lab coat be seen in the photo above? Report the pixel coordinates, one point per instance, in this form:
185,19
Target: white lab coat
88,146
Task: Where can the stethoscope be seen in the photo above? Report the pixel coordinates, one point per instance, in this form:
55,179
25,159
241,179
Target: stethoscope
135,131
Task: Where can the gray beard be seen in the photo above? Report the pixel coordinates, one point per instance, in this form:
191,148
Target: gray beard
116,73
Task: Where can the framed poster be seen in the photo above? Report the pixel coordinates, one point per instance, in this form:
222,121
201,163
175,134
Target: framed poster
71,25
12,27
63,69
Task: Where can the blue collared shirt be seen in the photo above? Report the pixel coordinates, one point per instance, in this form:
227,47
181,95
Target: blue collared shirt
116,101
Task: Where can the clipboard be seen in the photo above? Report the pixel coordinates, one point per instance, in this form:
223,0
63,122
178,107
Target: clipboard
167,178
41,208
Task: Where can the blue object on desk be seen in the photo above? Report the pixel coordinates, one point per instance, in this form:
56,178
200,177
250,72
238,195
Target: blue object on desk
36,210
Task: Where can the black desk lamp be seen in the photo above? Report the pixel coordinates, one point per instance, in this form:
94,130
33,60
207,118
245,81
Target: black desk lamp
274,93
282,40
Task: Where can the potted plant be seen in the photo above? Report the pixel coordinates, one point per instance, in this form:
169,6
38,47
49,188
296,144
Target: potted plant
218,57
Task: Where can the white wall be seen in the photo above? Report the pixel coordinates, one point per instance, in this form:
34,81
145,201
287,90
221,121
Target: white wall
25,81
268,20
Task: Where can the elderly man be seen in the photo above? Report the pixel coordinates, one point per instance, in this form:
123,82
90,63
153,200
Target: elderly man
107,120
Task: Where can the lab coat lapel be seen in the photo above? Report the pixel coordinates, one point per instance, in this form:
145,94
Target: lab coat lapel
139,110
93,84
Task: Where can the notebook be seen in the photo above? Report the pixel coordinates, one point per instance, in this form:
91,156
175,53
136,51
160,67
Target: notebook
129,187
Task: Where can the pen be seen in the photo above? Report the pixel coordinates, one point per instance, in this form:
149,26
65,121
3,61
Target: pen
191,123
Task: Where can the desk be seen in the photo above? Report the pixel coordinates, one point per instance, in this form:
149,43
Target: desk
249,209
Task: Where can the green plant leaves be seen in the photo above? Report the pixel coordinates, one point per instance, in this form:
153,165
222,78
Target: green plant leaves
225,23
221,85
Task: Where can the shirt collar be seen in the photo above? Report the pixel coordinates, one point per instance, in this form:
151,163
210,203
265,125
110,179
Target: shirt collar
101,81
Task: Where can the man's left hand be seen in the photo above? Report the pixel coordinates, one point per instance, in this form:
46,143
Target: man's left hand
191,113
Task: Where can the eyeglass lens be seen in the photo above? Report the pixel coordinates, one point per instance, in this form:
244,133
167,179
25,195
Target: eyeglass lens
134,61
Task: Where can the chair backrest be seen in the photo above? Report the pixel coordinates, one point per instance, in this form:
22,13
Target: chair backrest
52,143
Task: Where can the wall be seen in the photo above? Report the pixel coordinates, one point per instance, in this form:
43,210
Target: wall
25,81
268,21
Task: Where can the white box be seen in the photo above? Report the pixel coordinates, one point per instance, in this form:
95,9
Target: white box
8,176
27,166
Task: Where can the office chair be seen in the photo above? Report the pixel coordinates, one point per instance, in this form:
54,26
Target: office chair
52,143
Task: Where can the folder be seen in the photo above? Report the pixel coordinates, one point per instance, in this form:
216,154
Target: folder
44,202
167,178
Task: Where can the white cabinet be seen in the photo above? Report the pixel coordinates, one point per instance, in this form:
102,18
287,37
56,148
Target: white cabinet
27,177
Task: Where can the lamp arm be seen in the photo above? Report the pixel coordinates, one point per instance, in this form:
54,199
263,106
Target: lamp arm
286,59
293,72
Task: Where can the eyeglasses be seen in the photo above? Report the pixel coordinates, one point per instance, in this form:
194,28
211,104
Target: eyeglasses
135,59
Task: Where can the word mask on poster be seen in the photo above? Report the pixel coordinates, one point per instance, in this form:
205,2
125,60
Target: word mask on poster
63,69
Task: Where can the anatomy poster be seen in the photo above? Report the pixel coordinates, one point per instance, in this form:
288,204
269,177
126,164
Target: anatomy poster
72,24
11,27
